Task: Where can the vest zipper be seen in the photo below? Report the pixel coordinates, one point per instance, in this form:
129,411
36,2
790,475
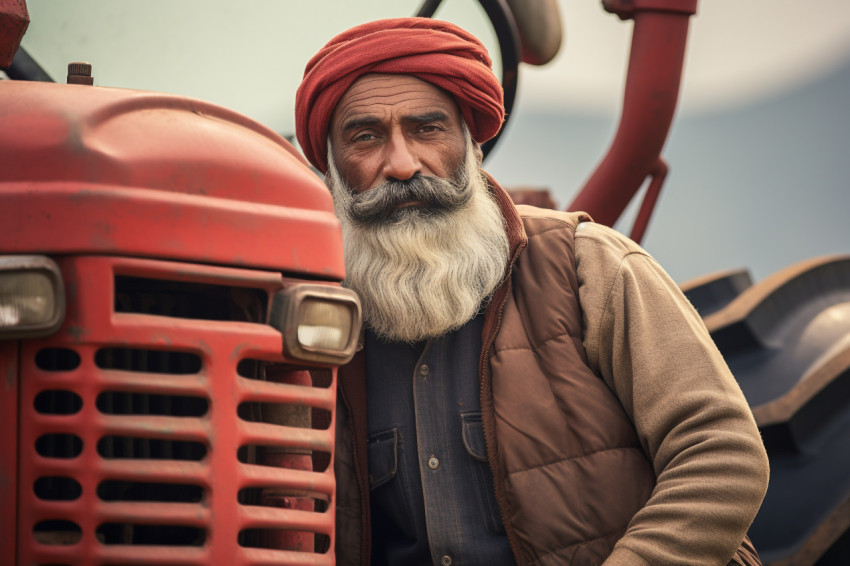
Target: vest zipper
488,415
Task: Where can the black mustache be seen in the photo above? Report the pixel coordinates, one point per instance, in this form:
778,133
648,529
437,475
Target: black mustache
382,203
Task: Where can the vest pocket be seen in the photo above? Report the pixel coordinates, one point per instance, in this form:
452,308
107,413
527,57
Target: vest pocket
383,457
476,446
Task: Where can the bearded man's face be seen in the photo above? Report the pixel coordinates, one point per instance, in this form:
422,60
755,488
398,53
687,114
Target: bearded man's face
425,242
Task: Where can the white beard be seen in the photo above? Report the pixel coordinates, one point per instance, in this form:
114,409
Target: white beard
422,273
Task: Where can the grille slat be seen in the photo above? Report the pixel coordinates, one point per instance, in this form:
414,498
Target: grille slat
188,429
155,384
154,512
166,471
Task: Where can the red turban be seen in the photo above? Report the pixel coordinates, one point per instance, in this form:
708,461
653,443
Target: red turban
435,51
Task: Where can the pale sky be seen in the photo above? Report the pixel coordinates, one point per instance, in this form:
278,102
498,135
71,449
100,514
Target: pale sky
249,55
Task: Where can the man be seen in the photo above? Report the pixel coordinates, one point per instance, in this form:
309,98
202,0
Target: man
533,388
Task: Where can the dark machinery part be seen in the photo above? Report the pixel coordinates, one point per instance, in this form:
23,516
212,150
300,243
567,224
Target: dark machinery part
25,68
787,341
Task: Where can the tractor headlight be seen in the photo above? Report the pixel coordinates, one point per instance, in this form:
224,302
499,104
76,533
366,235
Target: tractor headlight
32,298
319,323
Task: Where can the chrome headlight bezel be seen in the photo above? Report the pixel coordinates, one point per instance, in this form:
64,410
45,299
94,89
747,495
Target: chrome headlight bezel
12,265
287,312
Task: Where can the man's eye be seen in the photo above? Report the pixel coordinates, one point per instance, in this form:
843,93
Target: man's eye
364,137
428,129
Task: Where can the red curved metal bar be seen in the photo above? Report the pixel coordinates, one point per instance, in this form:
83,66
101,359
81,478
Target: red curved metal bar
652,90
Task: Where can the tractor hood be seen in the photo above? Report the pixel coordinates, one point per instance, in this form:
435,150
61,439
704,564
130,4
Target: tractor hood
87,169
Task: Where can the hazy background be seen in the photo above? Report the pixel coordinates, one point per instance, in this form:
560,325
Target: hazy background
758,153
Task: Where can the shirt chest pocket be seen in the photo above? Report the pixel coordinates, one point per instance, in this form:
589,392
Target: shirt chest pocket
476,446
383,457
393,494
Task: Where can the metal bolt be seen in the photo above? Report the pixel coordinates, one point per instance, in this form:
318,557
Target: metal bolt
79,73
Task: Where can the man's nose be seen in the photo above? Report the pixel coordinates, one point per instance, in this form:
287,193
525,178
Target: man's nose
400,162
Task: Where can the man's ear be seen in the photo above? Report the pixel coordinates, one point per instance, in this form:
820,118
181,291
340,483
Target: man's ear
479,155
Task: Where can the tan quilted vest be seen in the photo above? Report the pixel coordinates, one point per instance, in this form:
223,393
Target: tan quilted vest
570,471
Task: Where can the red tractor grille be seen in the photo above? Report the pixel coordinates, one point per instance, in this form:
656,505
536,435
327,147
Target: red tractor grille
162,425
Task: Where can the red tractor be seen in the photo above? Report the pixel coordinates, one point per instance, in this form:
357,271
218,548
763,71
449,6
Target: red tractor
171,319
170,324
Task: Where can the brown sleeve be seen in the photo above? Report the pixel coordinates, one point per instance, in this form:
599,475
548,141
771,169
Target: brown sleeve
652,349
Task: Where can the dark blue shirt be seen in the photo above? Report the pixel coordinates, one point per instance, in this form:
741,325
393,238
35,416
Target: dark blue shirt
432,496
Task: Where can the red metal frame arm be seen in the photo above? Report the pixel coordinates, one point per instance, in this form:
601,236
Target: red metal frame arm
658,174
652,90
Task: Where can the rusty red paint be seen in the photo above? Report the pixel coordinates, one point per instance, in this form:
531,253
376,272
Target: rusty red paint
102,170
14,20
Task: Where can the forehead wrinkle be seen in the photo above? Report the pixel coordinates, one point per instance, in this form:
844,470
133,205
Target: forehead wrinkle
363,103
363,112
373,86
370,97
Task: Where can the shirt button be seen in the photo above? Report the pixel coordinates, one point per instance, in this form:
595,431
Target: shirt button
424,370
433,463
446,560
